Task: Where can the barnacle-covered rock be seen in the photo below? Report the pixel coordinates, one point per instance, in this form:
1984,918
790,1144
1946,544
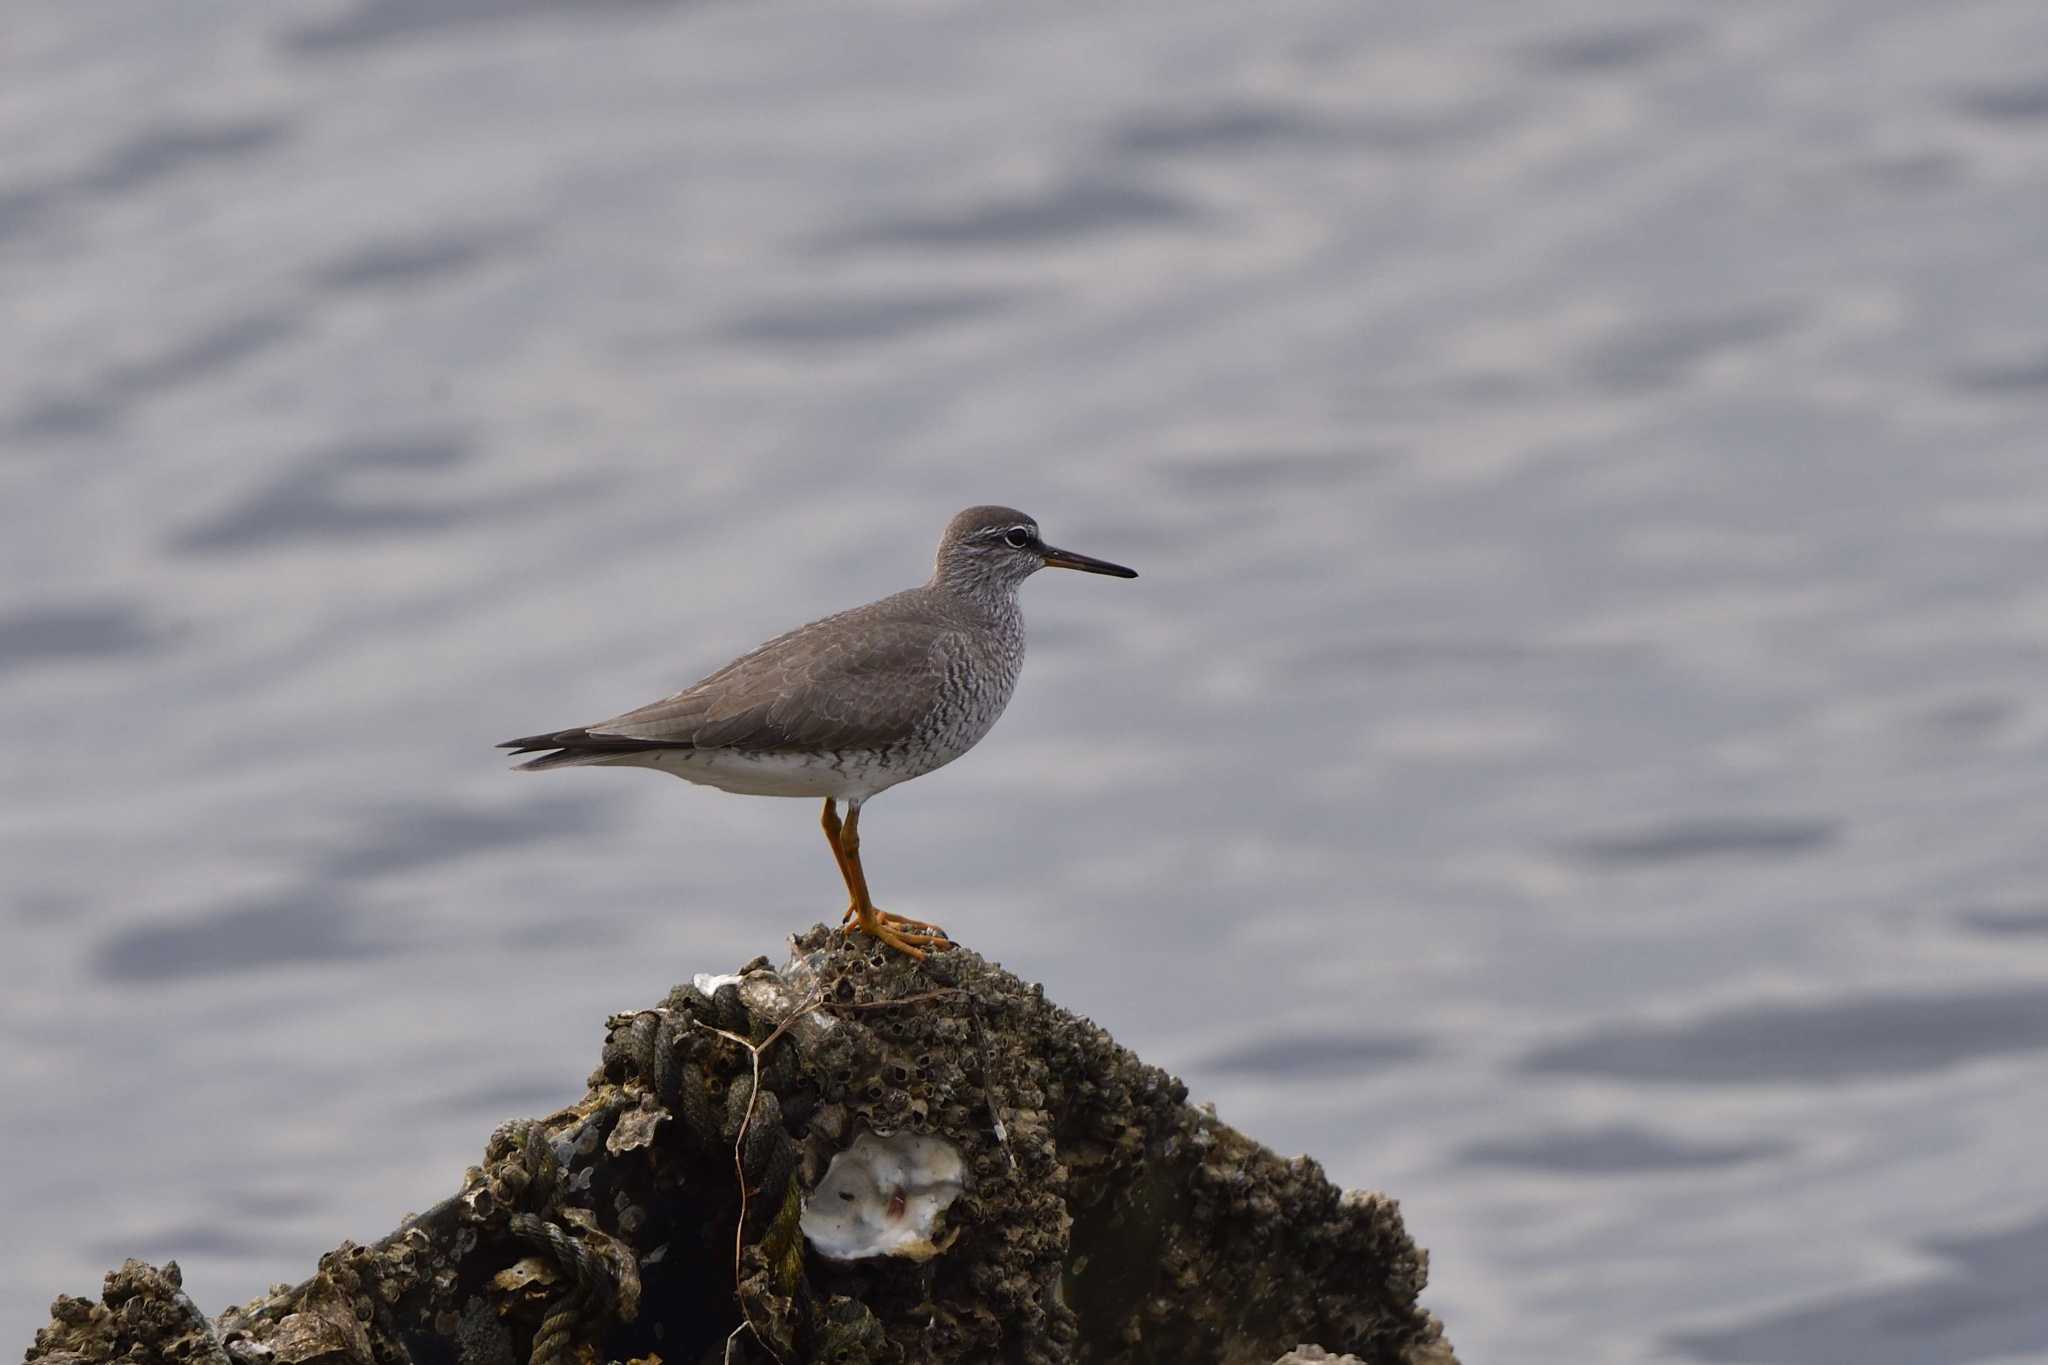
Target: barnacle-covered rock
685,1208
143,1314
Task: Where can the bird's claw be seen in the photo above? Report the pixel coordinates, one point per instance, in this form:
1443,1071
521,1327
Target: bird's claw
918,926
905,935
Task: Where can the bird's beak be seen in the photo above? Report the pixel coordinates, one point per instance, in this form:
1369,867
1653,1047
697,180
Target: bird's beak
1067,559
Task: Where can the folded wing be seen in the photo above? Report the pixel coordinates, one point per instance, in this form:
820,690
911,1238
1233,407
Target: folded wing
848,683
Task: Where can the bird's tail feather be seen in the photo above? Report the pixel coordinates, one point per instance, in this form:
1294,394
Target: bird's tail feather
562,758
573,748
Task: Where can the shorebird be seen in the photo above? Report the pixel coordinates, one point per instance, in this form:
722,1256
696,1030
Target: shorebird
851,705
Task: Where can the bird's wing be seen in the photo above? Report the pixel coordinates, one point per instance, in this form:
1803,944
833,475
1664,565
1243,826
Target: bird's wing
850,682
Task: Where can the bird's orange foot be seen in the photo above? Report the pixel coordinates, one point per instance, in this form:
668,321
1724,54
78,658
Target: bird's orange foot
922,928
909,936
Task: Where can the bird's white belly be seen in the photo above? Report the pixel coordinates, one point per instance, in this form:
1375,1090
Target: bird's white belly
845,776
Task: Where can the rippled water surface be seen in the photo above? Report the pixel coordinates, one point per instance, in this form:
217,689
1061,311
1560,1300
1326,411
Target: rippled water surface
1575,758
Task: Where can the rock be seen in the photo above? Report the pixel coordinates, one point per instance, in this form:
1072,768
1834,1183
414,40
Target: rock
1099,1217
143,1314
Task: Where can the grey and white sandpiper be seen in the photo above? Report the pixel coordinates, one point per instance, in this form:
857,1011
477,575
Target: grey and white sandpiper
851,705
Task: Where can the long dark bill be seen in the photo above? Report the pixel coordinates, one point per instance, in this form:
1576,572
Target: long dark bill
1067,559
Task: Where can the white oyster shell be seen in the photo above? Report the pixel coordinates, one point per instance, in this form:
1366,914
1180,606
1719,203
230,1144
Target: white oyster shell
882,1196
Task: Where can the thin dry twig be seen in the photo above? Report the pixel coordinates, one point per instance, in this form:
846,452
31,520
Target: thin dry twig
739,1158
918,999
815,1000
988,1086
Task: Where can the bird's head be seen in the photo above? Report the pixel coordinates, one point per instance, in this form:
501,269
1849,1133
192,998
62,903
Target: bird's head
999,547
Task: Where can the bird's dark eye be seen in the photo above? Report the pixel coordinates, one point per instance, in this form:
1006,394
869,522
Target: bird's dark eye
1017,537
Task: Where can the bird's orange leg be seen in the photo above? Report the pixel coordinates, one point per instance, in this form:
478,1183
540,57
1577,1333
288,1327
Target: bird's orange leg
831,824
852,840
890,929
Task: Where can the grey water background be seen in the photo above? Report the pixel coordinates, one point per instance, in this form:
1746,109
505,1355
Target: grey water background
1576,759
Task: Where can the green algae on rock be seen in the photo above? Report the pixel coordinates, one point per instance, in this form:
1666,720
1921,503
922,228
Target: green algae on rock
1101,1219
